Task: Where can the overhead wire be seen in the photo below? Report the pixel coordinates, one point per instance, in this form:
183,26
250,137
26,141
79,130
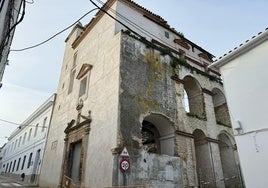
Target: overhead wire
5,40
50,38
141,29
20,125
7,36
30,2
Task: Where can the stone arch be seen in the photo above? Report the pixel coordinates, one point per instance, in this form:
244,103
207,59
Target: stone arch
158,134
204,166
193,96
220,107
228,162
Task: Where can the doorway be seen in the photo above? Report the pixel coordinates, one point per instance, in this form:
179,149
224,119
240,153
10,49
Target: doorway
75,162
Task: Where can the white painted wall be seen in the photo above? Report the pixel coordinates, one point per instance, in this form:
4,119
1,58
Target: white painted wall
245,79
100,48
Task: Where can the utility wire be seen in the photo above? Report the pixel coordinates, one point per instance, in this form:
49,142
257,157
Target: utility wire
114,18
7,36
45,41
20,125
148,33
30,2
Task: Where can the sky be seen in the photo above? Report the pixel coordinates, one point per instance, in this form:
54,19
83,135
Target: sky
32,76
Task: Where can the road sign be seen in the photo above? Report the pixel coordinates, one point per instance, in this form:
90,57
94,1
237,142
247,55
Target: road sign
124,165
124,153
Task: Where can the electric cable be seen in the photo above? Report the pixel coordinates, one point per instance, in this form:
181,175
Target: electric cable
50,38
114,18
30,2
7,36
136,26
20,125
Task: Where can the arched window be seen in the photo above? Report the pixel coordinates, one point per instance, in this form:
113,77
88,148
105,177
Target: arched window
19,141
29,136
158,135
195,96
220,108
30,160
44,124
185,101
14,166
36,129
23,162
24,137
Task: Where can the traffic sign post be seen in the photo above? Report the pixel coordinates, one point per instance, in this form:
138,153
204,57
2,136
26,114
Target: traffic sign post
124,164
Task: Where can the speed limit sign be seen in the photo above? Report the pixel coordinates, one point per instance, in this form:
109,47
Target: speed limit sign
124,165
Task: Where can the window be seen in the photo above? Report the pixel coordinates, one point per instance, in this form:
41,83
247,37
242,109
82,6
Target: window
74,59
44,124
14,166
24,137
30,160
158,135
83,87
36,129
23,162
16,142
18,165
19,141
6,168
196,105
71,82
185,101
12,147
10,167
167,34
29,136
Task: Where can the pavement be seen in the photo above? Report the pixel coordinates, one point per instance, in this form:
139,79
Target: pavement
8,182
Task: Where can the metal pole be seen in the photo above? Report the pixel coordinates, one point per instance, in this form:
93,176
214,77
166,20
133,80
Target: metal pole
124,178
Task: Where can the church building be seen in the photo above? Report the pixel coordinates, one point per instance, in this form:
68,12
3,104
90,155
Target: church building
137,105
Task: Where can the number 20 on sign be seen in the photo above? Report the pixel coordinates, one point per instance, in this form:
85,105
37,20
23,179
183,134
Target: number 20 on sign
124,165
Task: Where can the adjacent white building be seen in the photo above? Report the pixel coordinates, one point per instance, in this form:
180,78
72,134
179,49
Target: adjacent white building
1,156
245,73
23,153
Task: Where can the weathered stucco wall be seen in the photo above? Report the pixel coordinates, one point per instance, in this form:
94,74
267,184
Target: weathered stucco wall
146,88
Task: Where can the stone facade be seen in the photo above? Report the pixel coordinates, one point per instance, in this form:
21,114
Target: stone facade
160,102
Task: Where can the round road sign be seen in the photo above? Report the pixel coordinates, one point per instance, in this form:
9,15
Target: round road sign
124,165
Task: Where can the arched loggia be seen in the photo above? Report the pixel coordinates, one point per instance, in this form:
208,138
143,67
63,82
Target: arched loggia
158,134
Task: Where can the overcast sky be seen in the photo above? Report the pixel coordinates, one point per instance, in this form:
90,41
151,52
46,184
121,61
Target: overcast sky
32,76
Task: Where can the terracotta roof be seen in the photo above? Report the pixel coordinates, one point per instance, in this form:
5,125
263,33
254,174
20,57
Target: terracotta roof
152,16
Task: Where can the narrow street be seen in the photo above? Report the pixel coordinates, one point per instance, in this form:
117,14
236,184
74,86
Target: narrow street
7,182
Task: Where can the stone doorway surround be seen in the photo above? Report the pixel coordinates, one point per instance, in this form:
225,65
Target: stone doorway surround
76,131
